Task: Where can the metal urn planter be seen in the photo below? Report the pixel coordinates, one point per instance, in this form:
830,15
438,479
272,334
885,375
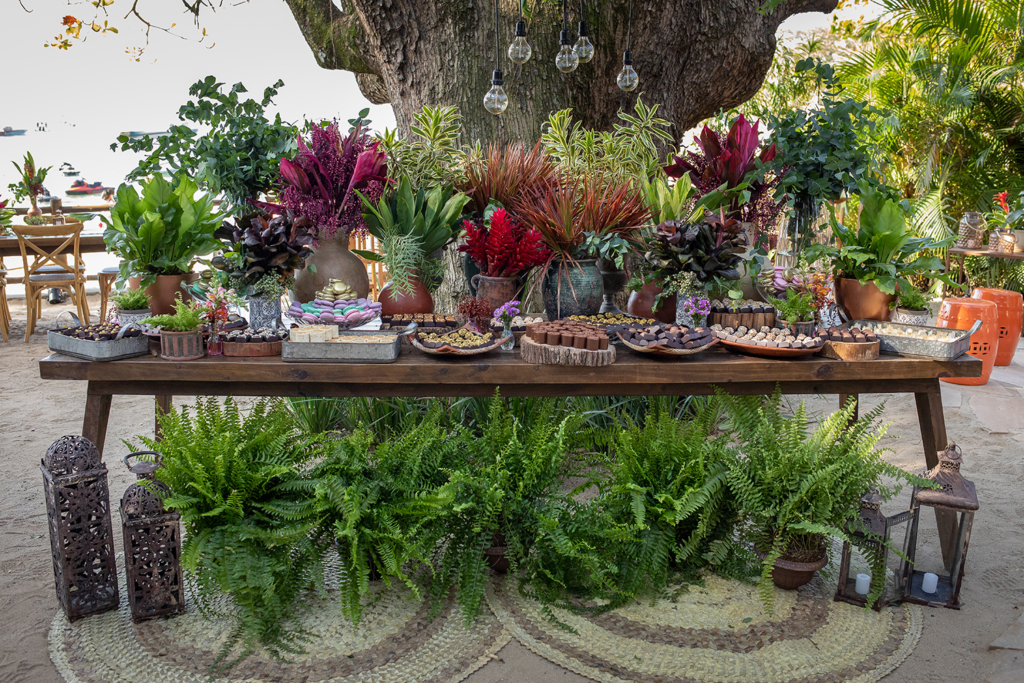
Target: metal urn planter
572,289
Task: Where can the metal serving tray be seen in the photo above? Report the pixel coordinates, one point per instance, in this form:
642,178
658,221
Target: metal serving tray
86,349
340,352
894,345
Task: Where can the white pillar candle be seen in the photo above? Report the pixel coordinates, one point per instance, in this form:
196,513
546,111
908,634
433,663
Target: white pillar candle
863,584
930,583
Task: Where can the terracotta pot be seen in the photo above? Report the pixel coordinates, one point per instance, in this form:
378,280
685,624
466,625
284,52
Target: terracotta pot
331,260
789,575
495,291
862,302
572,289
640,304
179,346
419,301
34,209
165,290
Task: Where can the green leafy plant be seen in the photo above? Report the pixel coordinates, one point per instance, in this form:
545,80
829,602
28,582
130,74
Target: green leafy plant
432,155
238,155
131,300
882,250
609,247
37,220
912,299
186,318
246,534
263,252
796,307
796,487
163,231
710,250
5,217
670,202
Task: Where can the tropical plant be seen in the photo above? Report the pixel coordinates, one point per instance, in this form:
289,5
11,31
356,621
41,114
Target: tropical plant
500,175
796,307
163,231
245,534
882,250
797,487
628,152
710,250
502,246
131,300
431,156
237,155
187,317
261,248
670,202
31,179
912,299
330,176
5,217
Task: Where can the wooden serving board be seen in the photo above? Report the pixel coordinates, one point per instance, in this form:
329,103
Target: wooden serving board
546,354
850,350
252,349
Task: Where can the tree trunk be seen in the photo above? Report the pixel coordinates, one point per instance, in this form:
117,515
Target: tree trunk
694,57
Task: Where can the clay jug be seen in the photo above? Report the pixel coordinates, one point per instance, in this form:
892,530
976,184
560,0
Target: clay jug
640,304
495,291
419,301
332,260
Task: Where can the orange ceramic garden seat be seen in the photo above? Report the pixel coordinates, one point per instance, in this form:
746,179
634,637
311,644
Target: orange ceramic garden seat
961,314
1011,315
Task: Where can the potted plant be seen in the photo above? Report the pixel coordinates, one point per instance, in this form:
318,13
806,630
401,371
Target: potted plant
30,184
160,235
872,262
796,311
5,217
263,252
503,250
324,184
181,334
132,306
911,307
564,211
796,487
410,226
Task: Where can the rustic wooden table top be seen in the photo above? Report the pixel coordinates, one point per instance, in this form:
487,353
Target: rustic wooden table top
87,244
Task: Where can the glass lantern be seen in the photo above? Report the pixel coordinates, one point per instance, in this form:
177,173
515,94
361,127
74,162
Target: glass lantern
936,569
873,534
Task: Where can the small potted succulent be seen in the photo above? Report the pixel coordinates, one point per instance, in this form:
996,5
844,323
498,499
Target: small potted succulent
132,306
911,307
181,334
796,311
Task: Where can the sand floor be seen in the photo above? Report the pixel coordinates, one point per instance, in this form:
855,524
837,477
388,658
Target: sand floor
987,421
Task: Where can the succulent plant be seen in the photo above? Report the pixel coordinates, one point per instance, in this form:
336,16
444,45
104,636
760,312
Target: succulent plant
267,245
710,250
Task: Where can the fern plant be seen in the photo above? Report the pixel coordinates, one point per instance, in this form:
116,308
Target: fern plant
795,486
227,475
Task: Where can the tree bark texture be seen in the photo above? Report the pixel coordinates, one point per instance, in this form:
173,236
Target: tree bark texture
694,57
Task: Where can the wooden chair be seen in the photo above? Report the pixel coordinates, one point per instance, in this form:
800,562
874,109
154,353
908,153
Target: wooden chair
106,279
5,312
48,268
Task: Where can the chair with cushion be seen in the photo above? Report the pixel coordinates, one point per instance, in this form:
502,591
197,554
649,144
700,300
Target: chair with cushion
46,268
106,278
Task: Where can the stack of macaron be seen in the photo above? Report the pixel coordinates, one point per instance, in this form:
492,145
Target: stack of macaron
569,334
346,312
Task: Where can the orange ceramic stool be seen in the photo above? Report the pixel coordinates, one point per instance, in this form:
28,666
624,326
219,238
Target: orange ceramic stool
1011,316
961,314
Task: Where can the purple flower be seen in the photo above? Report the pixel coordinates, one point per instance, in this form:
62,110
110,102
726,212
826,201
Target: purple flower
507,311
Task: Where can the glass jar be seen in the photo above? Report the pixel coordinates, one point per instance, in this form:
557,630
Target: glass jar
971,233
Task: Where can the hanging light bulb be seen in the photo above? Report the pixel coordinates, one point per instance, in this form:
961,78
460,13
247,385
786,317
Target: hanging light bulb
566,60
520,51
583,48
496,101
627,79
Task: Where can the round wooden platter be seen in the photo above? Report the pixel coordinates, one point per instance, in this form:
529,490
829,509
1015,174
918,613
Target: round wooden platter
452,351
850,350
665,351
546,354
252,349
767,351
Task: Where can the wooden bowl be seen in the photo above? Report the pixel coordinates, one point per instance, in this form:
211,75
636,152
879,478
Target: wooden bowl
766,351
664,350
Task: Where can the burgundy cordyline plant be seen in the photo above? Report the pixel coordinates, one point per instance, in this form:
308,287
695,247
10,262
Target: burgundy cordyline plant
320,183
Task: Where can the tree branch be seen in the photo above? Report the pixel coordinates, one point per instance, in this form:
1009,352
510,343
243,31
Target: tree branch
788,8
336,37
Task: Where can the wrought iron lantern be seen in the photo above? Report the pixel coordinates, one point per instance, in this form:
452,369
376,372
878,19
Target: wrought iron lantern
874,534
152,544
81,536
956,501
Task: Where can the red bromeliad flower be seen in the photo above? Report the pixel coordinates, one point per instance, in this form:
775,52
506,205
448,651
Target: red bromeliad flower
505,248
1001,199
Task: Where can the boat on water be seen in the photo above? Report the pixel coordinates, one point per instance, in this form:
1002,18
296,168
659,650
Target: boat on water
80,187
69,170
7,130
132,134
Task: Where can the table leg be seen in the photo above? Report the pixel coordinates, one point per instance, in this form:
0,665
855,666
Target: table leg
933,436
163,405
97,412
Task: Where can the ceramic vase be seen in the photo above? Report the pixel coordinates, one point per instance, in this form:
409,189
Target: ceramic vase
572,289
332,260
418,301
264,312
640,304
495,291
858,301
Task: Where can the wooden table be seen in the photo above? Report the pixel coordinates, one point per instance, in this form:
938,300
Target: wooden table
963,253
87,244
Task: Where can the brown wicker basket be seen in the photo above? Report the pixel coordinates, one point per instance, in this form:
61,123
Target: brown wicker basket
180,346
971,233
1002,242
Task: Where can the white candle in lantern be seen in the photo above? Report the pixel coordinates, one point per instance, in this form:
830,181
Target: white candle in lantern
930,583
863,584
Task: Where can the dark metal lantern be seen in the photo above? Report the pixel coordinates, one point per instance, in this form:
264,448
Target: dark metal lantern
152,544
873,533
957,500
81,536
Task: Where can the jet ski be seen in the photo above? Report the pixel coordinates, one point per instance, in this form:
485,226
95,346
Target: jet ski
80,187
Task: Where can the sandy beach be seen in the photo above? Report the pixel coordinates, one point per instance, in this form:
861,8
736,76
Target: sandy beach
987,421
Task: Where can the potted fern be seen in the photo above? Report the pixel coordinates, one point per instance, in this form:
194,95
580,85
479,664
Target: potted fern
797,487
796,311
181,334
911,307
132,306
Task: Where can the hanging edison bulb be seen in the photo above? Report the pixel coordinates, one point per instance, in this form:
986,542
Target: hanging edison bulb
566,60
496,101
627,79
583,48
520,51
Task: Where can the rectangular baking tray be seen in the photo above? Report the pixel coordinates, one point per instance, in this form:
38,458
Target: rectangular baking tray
893,345
340,352
86,349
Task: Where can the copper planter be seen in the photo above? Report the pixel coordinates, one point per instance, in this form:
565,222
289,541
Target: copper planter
858,301
165,290
495,291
